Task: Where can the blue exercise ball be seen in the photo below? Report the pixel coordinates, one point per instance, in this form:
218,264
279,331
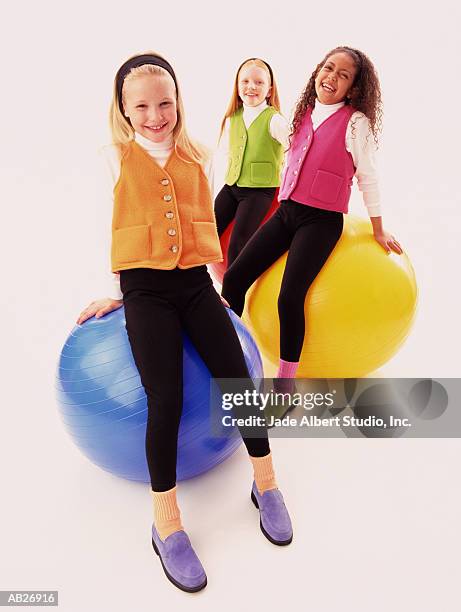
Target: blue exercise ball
104,407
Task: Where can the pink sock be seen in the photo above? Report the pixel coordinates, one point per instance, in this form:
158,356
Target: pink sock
287,369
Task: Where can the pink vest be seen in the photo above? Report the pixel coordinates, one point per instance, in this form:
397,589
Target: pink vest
319,170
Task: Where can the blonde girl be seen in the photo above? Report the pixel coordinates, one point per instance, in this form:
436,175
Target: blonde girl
163,235
256,135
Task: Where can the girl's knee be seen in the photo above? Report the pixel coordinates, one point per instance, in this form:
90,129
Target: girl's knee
290,302
230,280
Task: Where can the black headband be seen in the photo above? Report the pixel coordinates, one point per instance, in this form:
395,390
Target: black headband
252,59
135,62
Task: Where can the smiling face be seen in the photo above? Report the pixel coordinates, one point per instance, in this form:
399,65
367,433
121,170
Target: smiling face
149,101
335,78
253,84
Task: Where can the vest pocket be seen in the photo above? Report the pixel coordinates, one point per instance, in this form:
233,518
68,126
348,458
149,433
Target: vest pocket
326,186
132,244
206,239
261,173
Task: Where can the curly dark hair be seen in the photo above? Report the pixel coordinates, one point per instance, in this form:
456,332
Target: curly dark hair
364,95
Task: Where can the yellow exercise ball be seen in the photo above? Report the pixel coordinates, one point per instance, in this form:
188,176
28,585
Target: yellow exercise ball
358,311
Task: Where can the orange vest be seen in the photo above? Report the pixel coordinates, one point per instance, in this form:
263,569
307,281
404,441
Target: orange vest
163,217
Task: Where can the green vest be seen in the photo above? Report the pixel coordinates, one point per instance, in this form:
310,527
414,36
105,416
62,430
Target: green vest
255,158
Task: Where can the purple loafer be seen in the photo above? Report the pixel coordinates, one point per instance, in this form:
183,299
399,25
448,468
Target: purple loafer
179,561
274,521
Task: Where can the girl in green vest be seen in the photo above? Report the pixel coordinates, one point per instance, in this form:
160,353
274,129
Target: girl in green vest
257,136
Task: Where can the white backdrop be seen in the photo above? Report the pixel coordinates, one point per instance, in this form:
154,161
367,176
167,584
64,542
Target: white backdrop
58,64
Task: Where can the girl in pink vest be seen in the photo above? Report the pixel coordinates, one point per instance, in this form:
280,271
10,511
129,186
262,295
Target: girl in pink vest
333,138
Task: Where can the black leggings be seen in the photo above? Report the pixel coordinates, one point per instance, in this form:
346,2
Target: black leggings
159,305
248,206
310,234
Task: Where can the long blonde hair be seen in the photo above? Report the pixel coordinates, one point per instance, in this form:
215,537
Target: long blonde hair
123,132
235,101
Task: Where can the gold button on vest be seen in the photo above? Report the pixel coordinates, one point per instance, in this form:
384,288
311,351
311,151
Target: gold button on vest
141,228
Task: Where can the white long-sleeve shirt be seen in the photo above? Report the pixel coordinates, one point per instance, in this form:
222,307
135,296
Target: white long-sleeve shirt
160,152
278,126
360,144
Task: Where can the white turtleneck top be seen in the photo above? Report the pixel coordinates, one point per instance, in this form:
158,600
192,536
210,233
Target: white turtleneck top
278,127
360,144
160,152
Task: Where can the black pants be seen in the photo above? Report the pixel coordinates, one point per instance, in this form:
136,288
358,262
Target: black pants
159,305
310,234
248,206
